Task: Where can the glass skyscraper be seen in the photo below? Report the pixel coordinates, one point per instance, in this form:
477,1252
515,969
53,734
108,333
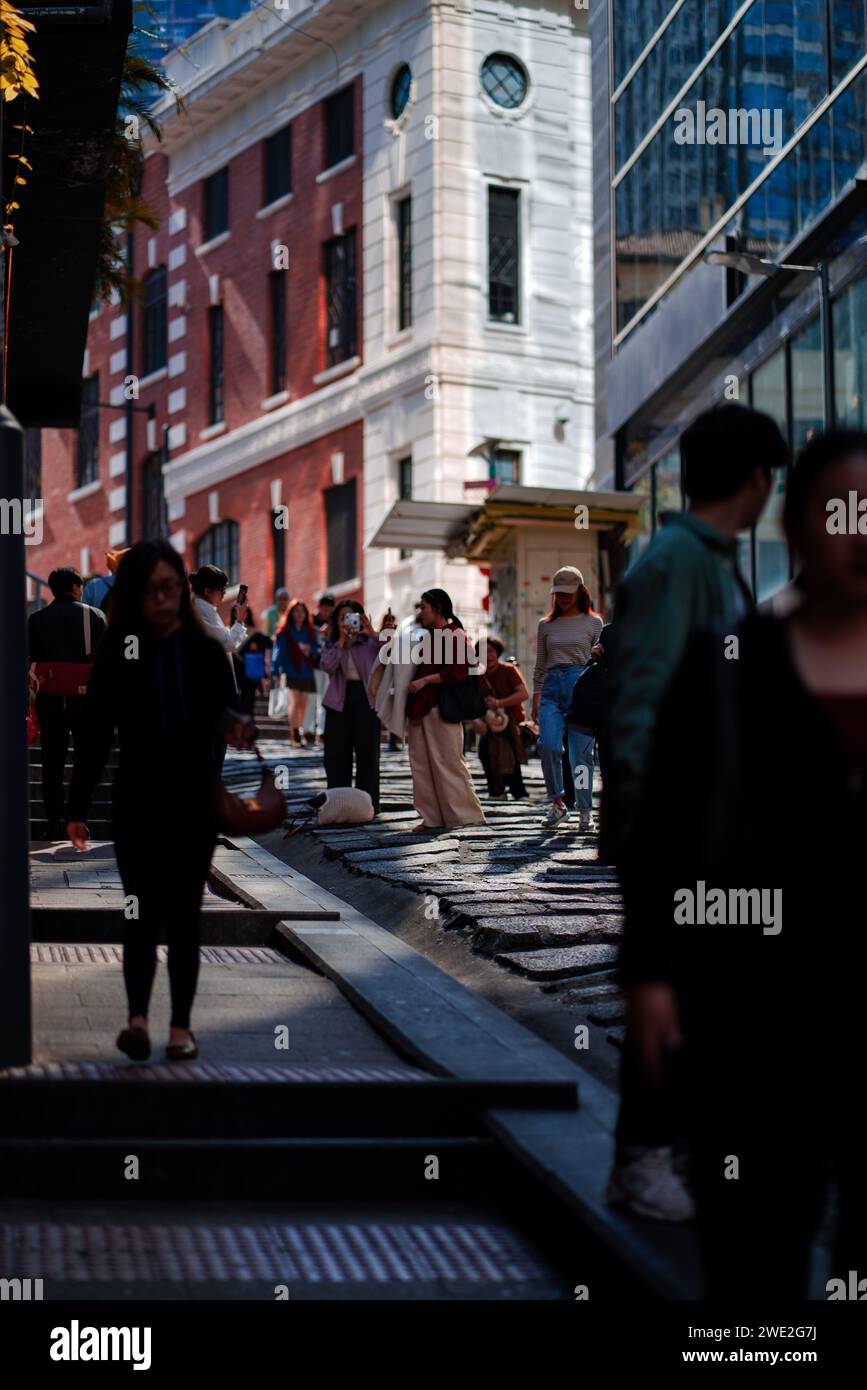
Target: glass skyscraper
175,21
736,125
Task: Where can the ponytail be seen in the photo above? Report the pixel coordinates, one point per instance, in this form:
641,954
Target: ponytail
441,601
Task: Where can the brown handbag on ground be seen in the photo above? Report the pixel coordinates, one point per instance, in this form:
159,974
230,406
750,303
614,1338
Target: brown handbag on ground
253,815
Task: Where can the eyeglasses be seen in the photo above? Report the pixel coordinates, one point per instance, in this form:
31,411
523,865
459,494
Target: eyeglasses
167,589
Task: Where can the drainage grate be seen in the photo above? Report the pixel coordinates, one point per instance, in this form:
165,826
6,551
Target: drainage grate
326,1252
204,1071
54,953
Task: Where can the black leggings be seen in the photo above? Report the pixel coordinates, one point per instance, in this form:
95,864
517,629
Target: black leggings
353,730
166,878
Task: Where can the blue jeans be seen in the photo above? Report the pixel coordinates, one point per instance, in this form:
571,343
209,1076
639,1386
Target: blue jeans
557,690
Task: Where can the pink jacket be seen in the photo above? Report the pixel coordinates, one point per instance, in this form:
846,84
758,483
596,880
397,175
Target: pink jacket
335,659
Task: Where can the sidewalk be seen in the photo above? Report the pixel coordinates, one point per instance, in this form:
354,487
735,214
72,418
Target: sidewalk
244,994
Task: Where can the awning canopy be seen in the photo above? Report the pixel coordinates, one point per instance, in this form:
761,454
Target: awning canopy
424,525
474,530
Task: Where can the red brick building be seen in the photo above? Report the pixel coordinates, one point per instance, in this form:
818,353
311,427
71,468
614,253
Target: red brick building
369,298
251,304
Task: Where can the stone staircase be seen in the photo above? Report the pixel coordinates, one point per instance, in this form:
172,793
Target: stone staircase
99,821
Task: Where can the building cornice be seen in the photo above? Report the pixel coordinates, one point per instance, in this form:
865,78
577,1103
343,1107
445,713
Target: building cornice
291,427
216,69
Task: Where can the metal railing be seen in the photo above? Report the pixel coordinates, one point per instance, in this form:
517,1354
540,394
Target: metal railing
39,584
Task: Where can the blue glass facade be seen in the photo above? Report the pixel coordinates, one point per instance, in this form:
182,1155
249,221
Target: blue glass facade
781,60
175,21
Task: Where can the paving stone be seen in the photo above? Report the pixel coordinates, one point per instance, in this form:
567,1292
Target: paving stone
613,1012
555,963
513,904
598,984
584,926
422,851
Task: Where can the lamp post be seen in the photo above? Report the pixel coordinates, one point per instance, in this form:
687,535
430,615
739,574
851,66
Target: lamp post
749,264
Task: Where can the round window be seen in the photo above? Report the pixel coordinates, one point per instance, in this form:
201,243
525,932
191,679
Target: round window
504,79
400,90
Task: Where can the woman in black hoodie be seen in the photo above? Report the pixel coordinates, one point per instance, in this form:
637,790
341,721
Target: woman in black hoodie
744,952
166,687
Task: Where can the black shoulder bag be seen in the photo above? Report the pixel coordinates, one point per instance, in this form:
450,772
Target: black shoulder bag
462,701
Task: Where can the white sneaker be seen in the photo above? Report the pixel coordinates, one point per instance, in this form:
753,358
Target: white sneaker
585,821
554,815
649,1186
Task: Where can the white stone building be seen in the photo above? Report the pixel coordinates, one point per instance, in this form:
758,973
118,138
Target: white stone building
470,389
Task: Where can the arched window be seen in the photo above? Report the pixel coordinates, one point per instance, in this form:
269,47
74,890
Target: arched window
219,546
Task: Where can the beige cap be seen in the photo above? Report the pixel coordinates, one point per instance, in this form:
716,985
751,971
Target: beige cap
567,580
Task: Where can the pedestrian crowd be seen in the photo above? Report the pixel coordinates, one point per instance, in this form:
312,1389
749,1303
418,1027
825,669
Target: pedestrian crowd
732,744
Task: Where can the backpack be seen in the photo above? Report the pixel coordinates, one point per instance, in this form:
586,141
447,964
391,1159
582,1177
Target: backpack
589,699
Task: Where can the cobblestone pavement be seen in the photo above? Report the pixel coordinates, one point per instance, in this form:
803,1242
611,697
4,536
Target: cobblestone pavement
534,902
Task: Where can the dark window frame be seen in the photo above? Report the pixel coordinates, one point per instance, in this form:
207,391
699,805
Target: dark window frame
513,456
277,166
404,491
277,283
278,551
155,321
215,203
347,545
339,126
32,463
341,299
155,517
504,254
216,365
87,447
403,215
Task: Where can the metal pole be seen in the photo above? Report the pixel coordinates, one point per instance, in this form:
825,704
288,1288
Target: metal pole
130,409
827,346
14,762
164,461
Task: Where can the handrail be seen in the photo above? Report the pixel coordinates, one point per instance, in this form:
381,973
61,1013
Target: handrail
40,584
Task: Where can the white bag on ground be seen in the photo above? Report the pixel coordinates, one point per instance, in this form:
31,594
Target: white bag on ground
345,806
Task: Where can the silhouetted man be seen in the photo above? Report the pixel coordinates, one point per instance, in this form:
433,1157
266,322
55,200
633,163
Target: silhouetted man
686,582
67,631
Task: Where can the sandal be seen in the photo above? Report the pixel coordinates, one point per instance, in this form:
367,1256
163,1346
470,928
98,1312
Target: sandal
183,1052
135,1043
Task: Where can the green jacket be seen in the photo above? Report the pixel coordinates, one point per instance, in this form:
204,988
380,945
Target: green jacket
686,581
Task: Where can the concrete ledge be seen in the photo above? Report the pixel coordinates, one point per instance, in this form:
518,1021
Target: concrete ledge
440,1024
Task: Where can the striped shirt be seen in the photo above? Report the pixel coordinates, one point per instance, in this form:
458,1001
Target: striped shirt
564,642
